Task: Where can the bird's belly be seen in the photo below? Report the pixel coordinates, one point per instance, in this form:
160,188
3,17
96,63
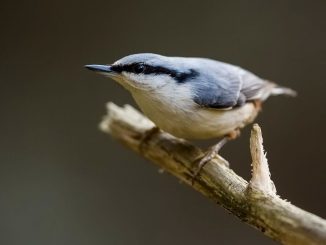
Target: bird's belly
208,123
203,124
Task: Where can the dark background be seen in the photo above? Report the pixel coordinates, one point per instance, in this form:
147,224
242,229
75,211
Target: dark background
62,181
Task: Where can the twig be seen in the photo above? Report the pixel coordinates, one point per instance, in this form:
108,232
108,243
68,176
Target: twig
260,179
255,203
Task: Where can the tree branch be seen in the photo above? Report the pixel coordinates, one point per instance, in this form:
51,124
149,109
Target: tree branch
255,203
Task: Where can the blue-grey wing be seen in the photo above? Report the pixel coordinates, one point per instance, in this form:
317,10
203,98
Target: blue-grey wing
224,86
218,92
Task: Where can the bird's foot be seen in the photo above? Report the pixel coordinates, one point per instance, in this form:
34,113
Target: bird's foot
146,136
213,152
209,155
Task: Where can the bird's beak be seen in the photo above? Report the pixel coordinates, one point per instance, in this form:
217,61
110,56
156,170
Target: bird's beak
100,68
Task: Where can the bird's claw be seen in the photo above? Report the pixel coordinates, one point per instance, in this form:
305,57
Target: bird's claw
211,154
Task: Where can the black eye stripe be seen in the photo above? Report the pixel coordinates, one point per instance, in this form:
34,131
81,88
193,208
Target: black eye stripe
141,68
117,68
138,68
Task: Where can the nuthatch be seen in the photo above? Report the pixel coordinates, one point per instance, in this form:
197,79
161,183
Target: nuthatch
193,98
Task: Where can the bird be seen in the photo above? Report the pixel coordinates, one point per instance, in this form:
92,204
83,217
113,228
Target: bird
193,98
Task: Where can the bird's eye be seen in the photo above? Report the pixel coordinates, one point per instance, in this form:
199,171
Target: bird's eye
139,68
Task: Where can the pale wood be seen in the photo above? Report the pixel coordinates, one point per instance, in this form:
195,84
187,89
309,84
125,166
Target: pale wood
261,177
255,204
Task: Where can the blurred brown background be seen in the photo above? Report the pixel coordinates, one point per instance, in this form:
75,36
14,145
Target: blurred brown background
62,181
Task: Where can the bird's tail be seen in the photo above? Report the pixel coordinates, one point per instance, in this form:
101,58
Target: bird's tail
277,90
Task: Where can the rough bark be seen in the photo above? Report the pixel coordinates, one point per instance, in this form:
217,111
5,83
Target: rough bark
255,203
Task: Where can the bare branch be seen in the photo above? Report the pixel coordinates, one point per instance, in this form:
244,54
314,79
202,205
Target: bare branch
255,204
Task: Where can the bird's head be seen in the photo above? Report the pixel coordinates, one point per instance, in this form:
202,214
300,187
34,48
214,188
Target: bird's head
146,71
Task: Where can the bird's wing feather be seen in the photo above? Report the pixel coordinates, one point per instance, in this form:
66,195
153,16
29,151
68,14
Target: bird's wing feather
220,92
255,88
227,86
